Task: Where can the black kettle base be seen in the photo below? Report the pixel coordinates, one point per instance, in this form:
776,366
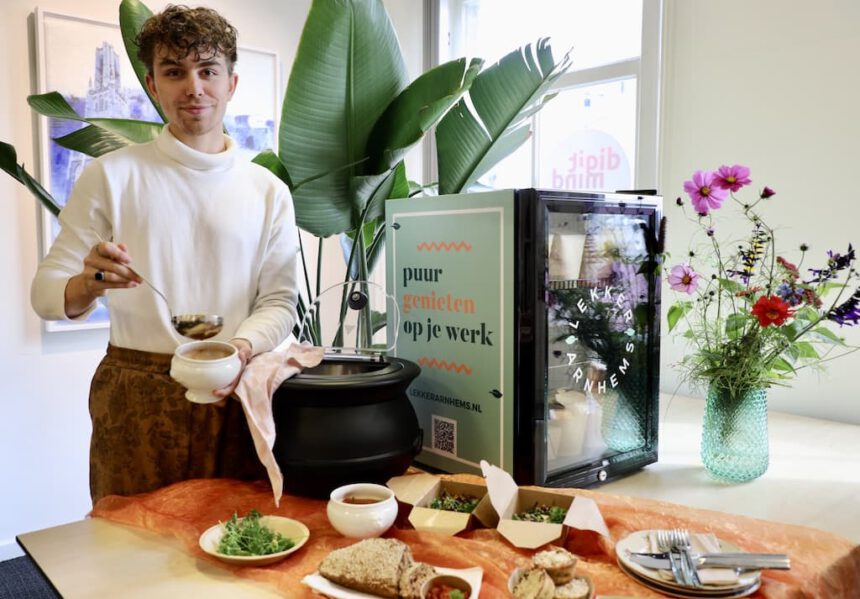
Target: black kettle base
343,423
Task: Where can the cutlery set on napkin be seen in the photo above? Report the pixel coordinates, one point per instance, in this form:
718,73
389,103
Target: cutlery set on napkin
681,564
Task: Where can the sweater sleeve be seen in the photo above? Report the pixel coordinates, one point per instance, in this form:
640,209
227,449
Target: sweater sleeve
273,313
83,214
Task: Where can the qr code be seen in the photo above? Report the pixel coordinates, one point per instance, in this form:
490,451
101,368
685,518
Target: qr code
444,436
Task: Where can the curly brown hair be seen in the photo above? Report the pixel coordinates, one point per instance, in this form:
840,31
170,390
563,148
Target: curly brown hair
183,30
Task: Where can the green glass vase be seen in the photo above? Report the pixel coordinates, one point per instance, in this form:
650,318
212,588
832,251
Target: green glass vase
734,434
623,423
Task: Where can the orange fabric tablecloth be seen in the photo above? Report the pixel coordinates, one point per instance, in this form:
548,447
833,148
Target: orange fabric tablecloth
824,565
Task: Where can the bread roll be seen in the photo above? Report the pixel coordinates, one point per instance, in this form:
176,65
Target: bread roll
558,562
534,584
578,588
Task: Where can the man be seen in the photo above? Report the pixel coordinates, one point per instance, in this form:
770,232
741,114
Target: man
216,234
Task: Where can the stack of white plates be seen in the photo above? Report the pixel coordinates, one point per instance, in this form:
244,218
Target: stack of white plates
661,580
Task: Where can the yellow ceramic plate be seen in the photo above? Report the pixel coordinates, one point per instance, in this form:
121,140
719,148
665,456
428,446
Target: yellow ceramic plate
294,530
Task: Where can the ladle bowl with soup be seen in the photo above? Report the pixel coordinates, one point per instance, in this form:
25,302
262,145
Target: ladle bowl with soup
204,366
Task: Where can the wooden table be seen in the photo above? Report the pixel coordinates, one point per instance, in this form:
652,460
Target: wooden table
813,480
97,558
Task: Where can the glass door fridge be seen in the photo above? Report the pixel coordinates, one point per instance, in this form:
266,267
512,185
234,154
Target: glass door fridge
534,315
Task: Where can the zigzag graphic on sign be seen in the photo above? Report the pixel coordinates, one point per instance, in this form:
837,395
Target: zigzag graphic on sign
443,245
444,365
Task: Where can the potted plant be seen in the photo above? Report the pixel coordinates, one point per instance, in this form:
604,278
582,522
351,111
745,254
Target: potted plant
752,316
349,117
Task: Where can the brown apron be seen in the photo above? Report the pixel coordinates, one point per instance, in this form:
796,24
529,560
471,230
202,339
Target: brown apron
146,435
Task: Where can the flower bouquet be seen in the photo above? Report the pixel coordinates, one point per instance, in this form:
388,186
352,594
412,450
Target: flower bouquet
753,316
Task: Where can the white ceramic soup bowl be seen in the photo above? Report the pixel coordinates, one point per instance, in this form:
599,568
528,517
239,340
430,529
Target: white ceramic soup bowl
204,366
362,510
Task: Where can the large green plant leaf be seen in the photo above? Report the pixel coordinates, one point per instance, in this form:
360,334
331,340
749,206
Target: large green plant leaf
417,109
270,160
348,69
132,15
504,96
9,163
373,231
52,104
92,141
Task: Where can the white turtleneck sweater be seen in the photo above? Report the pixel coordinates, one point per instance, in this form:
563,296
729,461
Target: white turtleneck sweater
214,233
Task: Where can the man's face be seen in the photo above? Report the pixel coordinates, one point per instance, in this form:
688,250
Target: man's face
193,93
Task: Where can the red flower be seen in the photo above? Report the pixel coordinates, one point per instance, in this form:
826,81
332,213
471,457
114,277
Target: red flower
747,292
771,311
788,266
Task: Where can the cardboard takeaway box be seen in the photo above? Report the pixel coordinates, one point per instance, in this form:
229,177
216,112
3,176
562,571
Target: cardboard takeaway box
508,499
419,490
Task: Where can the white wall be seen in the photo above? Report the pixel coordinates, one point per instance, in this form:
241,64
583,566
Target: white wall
771,84
44,431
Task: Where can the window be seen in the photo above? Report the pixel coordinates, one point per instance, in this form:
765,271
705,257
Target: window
600,131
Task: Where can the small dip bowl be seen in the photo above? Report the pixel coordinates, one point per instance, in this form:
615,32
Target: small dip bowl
362,510
448,582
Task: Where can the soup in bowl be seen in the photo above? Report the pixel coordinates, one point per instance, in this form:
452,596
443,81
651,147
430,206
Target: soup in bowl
446,586
362,510
204,366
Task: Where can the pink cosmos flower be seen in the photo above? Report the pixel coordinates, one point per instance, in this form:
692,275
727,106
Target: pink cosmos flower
703,192
732,177
682,277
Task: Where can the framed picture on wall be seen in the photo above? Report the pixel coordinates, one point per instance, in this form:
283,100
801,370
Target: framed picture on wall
85,61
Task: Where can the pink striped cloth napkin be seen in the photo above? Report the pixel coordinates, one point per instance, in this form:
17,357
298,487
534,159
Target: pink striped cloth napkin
263,374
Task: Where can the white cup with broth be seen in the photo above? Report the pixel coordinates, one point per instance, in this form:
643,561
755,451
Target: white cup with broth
204,366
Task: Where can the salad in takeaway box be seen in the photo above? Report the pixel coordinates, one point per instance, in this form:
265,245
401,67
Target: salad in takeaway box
443,506
530,518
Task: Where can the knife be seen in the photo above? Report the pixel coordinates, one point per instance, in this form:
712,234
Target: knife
732,554
745,561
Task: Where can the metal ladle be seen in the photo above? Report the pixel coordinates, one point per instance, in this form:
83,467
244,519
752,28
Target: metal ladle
193,326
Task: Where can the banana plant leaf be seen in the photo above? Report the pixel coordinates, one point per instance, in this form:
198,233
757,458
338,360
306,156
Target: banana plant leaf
132,15
347,70
270,160
92,141
52,104
373,231
417,109
504,96
9,163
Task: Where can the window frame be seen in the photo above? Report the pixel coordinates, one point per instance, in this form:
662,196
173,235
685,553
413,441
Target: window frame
646,69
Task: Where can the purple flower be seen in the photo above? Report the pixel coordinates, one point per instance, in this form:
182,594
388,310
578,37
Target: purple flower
766,193
683,278
847,312
732,177
790,294
835,263
704,194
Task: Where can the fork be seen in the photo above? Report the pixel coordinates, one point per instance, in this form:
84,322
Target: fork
664,544
681,539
